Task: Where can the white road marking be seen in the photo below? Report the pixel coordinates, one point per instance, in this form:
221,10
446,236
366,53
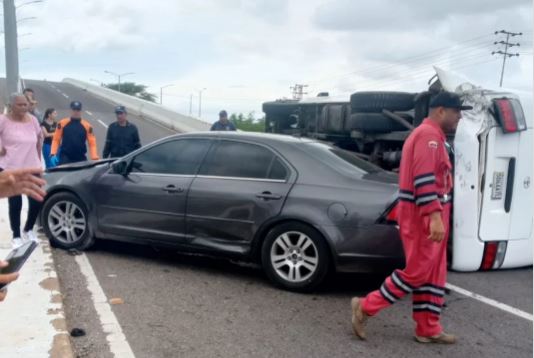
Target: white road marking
491,302
102,123
64,95
89,113
118,345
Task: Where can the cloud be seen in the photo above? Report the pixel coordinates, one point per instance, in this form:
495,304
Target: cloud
249,51
389,15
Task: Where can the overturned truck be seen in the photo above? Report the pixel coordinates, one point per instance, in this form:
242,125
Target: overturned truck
492,156
372,124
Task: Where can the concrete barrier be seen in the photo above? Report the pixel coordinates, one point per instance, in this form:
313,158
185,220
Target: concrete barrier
142,108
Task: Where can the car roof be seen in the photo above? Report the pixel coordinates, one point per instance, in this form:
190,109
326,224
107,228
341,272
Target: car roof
267,138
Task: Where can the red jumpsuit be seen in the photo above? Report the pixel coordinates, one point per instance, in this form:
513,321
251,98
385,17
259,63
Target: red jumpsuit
425,187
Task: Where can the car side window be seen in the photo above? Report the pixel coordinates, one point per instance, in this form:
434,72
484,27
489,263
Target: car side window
179,157
241,160
278,170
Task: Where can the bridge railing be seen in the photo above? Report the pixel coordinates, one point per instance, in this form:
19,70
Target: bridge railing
153,111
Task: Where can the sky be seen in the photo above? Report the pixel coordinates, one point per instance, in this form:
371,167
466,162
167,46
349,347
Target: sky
241,53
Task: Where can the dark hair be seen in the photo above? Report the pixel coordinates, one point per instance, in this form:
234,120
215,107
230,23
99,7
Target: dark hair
47,113
28,90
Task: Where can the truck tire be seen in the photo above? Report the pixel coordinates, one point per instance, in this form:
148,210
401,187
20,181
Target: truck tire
375,123
375,102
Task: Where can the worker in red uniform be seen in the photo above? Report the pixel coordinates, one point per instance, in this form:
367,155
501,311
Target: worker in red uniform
424,209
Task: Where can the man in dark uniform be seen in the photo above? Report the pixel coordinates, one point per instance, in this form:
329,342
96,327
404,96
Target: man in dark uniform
122,136
424,208
223,124
71,135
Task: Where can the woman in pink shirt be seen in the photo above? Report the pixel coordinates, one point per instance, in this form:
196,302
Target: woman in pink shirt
21,142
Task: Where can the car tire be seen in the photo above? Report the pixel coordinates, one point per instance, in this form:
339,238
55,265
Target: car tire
295,257
65,222
375,123
375,102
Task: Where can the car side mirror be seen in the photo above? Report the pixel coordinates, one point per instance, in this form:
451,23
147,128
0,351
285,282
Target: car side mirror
120,167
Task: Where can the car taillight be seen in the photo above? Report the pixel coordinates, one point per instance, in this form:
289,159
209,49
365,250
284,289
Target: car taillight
390,215
510,115
494,253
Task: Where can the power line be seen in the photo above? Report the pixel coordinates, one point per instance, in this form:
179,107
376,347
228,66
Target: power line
421,71
476,43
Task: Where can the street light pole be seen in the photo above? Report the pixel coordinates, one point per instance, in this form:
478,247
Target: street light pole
200,102
11,46
161,93
119,76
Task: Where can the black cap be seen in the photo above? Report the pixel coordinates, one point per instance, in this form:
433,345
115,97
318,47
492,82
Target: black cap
448,100
120,109
223,113
76,106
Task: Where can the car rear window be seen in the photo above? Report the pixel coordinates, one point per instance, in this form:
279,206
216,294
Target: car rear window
340,159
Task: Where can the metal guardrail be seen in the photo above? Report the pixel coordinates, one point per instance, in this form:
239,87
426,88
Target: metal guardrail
156,112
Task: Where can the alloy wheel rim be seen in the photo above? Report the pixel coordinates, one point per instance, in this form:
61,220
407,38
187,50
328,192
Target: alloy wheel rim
67,222
294,256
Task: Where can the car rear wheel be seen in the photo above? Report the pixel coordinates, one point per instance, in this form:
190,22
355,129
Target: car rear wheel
295,257
66,223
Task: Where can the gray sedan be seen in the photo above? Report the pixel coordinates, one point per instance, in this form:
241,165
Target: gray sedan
298,206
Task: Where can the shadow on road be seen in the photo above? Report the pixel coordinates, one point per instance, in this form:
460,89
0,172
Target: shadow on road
336,284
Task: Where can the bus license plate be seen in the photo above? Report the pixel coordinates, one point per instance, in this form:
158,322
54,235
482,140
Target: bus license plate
496,188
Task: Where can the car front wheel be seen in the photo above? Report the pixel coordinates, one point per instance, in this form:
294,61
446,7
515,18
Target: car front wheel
66,223
295,257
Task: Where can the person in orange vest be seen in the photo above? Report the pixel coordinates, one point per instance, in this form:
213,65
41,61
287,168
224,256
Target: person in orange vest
70,137
424,208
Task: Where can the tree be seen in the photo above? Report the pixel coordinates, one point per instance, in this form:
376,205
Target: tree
248,123
133,89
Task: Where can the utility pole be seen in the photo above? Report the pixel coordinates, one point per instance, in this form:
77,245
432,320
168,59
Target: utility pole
119,75
161,93
507,45
200,102
11,47
298,91
191,104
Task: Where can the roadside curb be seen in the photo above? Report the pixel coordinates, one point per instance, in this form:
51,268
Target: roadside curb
33,321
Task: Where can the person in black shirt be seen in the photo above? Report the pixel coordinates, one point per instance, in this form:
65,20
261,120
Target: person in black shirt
49,125
122,136
223,124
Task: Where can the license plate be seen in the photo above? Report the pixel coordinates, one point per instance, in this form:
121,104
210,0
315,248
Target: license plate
496,188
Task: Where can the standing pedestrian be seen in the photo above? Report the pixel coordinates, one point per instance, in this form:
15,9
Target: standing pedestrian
122,136
424,208
49,125
223,124
30,95
70,138
21,141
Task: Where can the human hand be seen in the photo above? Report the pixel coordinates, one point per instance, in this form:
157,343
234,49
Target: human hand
22,181
436,227
54,160
5,279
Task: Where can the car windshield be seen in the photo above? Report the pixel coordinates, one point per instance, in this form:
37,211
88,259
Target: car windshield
340,159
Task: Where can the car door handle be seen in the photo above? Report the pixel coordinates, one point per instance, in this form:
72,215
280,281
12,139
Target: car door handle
267,195
172,189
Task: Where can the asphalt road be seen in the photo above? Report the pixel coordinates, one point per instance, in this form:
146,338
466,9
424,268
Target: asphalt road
189,306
